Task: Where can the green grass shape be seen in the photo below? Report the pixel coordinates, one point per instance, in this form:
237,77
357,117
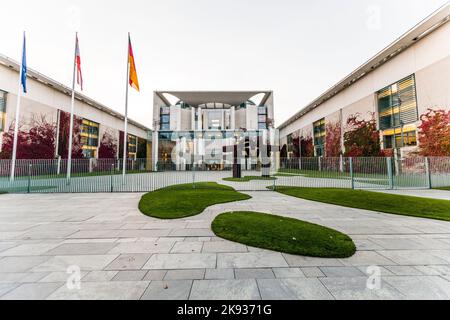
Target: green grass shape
444,188
182,201
374,201
249,178
282,234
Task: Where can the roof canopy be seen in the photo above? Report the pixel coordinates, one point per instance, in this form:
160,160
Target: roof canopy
233,98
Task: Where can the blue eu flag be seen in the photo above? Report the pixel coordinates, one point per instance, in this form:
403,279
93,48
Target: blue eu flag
24,65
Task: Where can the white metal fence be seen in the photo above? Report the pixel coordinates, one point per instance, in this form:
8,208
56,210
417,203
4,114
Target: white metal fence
105,175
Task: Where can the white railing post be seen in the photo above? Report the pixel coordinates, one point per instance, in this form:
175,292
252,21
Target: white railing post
428,173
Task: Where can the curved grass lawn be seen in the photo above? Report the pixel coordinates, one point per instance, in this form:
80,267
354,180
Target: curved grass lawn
182,201
249,178
375,201
282,234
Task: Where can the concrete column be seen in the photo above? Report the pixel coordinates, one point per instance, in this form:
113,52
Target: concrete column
193,119
155,146
233,118
200,119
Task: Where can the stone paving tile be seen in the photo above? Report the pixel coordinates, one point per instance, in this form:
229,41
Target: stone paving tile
312,272
59,277
434,270
36,249
355,288
7,245
155,275
300,261
367,270
32,291
293,289
130,275
29,277
336,272
412,257
367,258
219,274
250,260
421,287
129,262
20,264
192,233
184,261
285,273
143,233
85,263
81,249
111,290
254,274
223,247
100,276
187,247
404,271
142,247
7,287
168,290
225,290
195,274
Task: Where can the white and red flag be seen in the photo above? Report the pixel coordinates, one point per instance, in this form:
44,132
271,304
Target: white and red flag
78,62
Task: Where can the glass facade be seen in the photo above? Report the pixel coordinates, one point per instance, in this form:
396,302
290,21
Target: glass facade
164,119
262,118
132,146
319,137
397,108
2,110
89,138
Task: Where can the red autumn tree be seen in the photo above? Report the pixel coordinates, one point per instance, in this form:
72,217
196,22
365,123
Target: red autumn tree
108,146
307,147
333,139
434,133
64,129
36,143
362,138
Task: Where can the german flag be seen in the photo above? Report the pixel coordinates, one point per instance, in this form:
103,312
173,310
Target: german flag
134,82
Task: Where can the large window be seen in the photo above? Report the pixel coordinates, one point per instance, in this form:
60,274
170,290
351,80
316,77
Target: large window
319,137
132,146
262,118
165,119
397,108
89,138
2,110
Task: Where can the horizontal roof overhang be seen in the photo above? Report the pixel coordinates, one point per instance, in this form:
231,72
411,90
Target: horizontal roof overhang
420,31
233,98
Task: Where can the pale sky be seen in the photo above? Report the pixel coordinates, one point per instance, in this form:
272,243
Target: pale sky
296,48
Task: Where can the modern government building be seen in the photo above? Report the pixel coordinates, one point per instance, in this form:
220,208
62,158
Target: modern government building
397,86
201,127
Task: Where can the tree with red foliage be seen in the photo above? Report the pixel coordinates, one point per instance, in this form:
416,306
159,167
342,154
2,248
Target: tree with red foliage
434,133
362,138
36,143
307,146
333,139
64,129
108,146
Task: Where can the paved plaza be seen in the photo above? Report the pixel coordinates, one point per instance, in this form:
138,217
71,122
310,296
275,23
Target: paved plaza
45,239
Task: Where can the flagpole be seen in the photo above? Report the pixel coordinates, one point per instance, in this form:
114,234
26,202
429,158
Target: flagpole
125,134
16,123
72,110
